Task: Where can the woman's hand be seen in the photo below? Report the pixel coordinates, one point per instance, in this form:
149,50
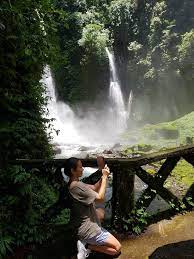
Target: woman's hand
106,171
101,194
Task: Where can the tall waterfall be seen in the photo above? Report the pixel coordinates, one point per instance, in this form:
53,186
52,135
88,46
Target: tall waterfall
64,118
120,113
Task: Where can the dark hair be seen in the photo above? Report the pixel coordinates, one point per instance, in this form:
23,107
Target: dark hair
70,163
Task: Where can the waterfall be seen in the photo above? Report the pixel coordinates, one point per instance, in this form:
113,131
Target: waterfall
114,77
92,127
62,115
120,114
130,104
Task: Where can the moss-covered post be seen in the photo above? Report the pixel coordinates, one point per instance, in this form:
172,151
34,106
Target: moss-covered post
123,195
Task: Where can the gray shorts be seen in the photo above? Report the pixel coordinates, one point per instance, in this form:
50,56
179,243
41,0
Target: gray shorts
99,239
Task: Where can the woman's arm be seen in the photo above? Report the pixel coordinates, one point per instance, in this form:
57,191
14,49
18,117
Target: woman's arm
101,193
95,187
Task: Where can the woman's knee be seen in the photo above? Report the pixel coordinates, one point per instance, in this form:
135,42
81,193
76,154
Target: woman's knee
114,243
118,247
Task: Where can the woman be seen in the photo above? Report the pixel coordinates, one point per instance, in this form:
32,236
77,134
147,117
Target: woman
83,213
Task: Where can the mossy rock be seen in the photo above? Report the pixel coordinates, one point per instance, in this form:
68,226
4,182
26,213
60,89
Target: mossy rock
167,133
180,131
127,151
189,140
144,147
151,171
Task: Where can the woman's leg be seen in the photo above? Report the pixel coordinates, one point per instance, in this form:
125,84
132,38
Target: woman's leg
111,246
100,213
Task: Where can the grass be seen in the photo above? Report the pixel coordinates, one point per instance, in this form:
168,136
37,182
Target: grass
184,172
150,138
163,135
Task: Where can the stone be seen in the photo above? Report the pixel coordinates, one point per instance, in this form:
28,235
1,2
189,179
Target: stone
144,147
82,155
189,140
83,148
167,133
117,145
107,152
57,151
184,249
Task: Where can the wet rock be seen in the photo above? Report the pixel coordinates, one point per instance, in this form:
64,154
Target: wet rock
144,147
189,140
184,249
116,146
55,144
107,152
57,151
122,155
83,148
167,133
88,156
82,155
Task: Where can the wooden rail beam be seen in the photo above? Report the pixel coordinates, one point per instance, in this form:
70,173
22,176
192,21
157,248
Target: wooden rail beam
156,184
127,162
189,159
166,169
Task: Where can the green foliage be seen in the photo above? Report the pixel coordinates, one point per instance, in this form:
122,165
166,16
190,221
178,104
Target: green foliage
184,173
15,174
27,41
154,46
149,41
186,56
190,201
25,198
66,69
137,221
122,12
63,218
163,135
187,46
155,67
5,245
26,47
181,207
185,126
82,43
94,39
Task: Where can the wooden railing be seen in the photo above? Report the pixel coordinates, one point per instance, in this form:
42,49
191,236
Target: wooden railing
124,171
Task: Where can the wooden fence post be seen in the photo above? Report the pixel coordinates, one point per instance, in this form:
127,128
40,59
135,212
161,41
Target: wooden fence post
123,195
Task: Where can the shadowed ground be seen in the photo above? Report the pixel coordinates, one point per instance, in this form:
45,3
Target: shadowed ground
180,228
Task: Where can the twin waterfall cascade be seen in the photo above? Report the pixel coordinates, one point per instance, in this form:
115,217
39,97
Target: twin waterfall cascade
100,127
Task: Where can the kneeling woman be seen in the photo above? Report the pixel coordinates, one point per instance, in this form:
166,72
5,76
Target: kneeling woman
83,213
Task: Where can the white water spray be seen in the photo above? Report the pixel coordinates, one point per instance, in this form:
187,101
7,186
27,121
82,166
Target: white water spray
130,104
64,119
97,129
116,97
